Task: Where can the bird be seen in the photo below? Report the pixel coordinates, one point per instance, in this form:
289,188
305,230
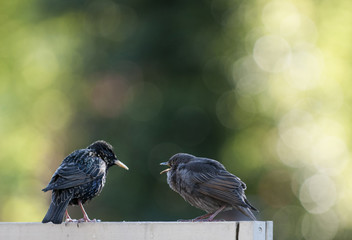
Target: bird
80,177
206,184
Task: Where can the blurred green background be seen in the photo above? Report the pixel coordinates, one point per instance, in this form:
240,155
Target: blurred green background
262,86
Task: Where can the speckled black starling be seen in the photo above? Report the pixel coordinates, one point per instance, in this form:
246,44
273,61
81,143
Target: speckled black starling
206,184
80,177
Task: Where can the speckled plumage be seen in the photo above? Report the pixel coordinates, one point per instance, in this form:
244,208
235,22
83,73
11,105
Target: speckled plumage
206,184
80,177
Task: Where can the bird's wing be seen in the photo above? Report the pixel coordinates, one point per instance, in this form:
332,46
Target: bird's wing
78,168
214,181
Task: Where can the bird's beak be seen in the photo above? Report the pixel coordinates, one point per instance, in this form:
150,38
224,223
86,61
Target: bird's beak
166,164
120,164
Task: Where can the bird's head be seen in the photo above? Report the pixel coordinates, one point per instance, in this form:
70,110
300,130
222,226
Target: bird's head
105,151
177,159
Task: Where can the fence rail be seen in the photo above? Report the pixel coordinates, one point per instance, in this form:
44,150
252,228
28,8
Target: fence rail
257,230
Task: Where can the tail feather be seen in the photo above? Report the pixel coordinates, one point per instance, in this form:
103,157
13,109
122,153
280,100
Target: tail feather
56,210
246,209
247,212
250,205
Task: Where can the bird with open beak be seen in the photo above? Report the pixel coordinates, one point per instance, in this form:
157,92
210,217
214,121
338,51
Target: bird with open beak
206,184
80,177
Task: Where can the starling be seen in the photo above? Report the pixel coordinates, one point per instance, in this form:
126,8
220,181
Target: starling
206,184
80,177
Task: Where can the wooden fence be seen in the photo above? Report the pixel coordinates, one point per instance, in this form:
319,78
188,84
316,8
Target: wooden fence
257,230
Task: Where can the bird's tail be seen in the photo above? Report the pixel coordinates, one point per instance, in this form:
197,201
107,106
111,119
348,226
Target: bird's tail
57,208
250,205
247,210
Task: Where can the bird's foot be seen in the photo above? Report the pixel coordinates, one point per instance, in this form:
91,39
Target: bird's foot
68,220
210,216
209,220
71,220
202,220
185,220
88,220
85,216
195,220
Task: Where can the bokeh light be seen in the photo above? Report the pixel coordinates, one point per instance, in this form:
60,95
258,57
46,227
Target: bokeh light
294,71
272,53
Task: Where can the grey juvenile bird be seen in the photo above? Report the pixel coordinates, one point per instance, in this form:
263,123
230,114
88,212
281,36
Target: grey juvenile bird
80,177
206,184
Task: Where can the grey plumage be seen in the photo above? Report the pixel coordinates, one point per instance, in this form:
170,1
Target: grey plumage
206,184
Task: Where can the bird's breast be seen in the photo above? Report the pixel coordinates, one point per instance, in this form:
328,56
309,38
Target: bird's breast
178,181
89,190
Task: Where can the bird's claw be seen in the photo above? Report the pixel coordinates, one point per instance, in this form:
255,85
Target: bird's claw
88,220
184,220
200,220
67,221
208,220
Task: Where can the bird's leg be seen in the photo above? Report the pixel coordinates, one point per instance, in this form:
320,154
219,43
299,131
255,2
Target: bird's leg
211,218
196,219
201,217
206,218
85,216
68,218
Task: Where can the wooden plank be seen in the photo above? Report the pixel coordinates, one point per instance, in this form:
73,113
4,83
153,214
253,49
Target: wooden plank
136,230
252,230
269,230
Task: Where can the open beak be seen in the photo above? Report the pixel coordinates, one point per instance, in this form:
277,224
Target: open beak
120,164
166,170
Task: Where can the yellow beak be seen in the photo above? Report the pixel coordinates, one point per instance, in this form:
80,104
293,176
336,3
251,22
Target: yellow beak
121,164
